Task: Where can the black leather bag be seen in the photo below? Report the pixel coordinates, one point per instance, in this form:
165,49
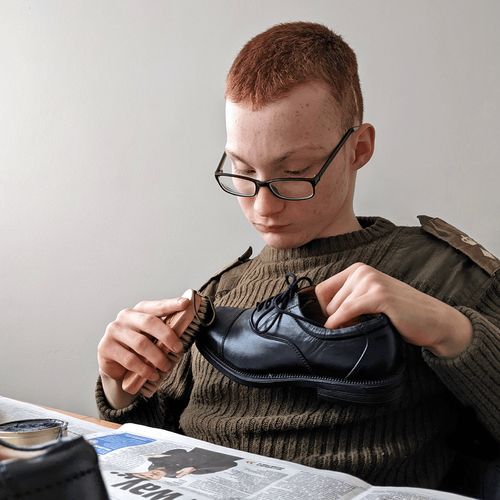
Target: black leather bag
66,469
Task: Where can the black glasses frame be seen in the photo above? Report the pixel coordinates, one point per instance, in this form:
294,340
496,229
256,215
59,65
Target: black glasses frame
269,184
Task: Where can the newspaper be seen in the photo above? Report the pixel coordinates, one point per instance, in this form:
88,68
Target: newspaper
142,462
11,409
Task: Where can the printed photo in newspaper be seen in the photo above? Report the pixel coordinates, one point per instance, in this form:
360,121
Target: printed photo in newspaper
141,462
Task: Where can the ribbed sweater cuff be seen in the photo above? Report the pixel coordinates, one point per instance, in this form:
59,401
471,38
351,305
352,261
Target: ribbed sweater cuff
108,413
473,376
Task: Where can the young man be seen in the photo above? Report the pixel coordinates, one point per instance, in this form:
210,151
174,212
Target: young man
294,110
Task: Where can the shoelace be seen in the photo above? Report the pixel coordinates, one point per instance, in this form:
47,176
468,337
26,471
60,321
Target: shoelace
277,304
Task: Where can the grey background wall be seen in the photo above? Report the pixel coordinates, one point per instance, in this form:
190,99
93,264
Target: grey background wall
112,122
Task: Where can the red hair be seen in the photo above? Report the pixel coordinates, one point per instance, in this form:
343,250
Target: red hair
272,63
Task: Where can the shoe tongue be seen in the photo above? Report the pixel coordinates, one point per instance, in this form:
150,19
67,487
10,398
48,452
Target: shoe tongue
309,305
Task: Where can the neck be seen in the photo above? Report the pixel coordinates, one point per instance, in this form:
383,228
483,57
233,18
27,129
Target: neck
347,224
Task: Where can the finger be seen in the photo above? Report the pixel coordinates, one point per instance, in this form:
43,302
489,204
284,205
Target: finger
327,289
162,307
140,344
149,385
340,297
107,365
111,369
152,325
351,308
132,382
132,362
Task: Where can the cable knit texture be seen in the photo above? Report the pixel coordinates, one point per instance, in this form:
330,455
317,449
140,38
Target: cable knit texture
405,444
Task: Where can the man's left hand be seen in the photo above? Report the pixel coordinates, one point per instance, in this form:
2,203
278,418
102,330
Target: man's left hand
421,319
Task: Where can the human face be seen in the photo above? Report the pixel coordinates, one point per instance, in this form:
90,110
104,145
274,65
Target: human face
292,137
152,474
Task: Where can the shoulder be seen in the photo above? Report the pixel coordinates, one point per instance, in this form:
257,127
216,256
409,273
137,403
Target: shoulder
442,260
460,242
230,273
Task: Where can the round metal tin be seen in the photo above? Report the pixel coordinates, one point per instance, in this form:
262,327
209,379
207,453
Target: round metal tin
33,431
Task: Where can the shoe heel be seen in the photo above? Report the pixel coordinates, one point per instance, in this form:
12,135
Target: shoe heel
384,393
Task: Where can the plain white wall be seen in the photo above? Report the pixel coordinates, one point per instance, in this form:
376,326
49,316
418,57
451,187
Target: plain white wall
112,122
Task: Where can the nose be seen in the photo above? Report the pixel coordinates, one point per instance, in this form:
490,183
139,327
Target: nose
266,204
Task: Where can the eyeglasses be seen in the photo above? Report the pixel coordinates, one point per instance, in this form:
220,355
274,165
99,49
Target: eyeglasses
286,188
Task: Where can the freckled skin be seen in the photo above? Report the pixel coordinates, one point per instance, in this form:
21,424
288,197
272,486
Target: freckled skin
307,115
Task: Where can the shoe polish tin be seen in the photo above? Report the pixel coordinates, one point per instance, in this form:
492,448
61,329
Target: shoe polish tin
33,432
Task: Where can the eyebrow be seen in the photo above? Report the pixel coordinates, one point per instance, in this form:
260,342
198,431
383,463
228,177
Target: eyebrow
280,158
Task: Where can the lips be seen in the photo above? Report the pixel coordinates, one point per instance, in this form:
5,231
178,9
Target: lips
270,228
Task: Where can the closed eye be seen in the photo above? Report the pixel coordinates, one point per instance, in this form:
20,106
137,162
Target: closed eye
297,172
240,168
247,172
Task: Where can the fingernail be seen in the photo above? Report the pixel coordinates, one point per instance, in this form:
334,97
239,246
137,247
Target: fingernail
178,347
182,300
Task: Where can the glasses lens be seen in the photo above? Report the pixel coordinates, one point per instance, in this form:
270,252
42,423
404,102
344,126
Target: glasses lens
237,186
298,190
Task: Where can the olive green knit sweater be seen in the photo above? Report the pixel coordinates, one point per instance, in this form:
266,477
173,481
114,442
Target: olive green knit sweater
406,444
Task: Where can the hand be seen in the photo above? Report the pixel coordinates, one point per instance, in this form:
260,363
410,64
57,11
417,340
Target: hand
185,471
127,344
421,319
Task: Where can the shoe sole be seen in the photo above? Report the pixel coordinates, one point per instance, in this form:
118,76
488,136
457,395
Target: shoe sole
370,392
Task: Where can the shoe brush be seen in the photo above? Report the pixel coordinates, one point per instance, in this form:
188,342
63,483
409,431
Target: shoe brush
186,324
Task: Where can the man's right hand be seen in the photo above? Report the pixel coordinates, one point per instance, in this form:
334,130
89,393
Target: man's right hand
129,344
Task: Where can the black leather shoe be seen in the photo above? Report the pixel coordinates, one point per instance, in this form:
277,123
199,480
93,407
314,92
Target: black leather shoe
282,342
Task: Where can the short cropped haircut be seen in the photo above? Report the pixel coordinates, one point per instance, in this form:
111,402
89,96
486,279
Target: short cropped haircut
272,63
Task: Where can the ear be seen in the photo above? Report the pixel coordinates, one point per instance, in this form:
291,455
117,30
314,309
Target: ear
364,145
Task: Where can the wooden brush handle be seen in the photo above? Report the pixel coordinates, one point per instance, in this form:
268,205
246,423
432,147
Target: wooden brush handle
179,321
